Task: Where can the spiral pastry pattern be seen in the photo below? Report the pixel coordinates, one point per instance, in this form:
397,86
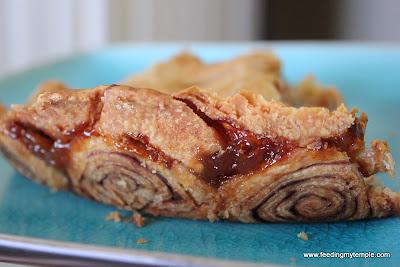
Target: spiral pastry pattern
326,192
121,180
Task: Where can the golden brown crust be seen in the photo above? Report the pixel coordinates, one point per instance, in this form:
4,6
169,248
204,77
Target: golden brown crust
168,124
384,202
376,158
253,112
168,77
59,113
51,86
257,72
122,110
308,93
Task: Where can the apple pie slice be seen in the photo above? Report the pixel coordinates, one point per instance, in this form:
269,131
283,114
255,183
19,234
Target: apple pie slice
199,155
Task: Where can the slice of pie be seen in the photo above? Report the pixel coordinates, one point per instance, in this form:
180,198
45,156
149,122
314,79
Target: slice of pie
201,153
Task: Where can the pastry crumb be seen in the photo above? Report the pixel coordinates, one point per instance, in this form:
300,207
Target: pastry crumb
303,235
54,190
138,219
114,216
141,241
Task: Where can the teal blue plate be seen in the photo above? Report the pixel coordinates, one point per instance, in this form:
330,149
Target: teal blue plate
368,76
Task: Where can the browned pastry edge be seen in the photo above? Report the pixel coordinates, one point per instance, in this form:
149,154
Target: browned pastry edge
308,93
257,72
275,119
37,169
383,201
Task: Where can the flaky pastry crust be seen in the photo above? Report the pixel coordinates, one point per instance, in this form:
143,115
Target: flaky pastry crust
197,155
257,72
303,125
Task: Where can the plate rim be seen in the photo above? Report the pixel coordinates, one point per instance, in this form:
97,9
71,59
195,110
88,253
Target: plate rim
44,252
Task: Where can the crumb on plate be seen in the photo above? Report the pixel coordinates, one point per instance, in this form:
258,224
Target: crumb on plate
138,219
114,216
141,241
303,235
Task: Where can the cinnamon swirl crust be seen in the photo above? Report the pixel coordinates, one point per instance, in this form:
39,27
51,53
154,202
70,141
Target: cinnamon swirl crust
198,156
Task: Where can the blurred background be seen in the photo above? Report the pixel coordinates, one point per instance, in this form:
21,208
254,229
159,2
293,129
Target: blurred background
37,31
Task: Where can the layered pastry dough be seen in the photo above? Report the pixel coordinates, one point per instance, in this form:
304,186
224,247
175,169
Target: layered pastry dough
259,72
200,153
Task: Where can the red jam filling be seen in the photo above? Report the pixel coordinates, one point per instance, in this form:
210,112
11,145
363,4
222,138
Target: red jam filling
52,151
141,146
244,153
